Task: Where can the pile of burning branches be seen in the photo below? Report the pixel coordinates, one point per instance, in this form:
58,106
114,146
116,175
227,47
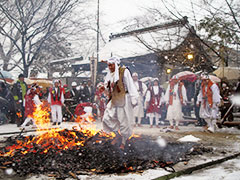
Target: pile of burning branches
60,152
64,153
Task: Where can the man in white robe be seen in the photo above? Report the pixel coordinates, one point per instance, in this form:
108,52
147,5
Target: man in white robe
118,116
208,99
138,110
175,98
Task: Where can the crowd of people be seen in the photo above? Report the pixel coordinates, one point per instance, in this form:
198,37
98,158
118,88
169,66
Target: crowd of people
121,101
20,100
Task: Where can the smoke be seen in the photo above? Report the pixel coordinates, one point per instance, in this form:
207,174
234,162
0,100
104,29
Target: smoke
236,99
161,142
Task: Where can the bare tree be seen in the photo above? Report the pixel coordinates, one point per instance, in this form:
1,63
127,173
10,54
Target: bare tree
31,24
218,27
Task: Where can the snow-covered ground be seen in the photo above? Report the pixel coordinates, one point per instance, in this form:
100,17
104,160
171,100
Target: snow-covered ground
229,170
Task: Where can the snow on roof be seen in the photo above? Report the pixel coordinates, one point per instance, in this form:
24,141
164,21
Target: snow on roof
42,75
76,58
85,61
66,74
136,45
84,74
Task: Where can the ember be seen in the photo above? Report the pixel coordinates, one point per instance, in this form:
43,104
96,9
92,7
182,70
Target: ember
79,152
63,153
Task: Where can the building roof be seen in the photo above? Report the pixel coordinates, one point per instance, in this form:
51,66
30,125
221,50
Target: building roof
147,40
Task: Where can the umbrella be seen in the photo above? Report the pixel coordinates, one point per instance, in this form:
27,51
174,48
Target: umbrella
214,78
187,75
230,73
26,80
43,82
146,79
6,74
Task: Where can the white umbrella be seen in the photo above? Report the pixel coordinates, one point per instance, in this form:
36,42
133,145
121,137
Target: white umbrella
146,79
6,74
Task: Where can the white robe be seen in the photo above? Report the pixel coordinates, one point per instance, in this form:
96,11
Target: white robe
121,118
138,109
207,112
56,110
174,111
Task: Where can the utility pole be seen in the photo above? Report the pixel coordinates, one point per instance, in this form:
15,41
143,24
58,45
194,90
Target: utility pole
98,29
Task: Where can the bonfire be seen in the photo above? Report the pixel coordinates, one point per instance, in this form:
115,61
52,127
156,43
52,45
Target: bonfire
84,150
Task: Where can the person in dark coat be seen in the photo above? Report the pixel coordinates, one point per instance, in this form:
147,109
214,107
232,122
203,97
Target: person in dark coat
74,93
88,92
7,103
19,90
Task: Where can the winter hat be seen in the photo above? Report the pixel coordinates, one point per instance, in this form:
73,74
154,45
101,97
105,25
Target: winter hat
74,84
135,74
175,77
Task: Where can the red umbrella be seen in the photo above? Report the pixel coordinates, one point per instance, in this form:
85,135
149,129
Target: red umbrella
187,75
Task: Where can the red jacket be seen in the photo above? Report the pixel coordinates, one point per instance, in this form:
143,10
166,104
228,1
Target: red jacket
80,108
155,106
29,104
56,96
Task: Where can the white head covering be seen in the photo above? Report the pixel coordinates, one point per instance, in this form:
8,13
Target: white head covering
204,76
32,88
113,60
100,84
135,74
74,84
55,80
175,77
116,61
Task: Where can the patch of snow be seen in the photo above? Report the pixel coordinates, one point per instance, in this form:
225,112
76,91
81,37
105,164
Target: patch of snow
229,170
149,174
189,138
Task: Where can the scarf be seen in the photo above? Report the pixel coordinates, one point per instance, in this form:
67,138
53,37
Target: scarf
207,96
171,92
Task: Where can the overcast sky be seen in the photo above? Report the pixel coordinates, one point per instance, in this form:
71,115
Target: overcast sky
114,11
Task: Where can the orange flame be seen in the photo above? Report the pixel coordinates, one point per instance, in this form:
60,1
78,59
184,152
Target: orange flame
57,138
19,114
